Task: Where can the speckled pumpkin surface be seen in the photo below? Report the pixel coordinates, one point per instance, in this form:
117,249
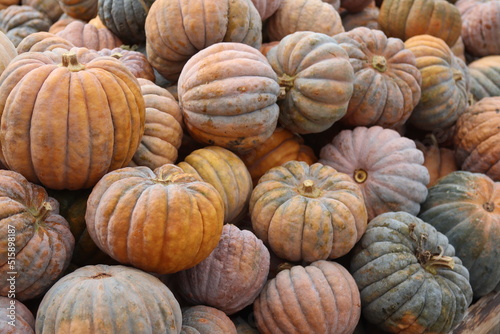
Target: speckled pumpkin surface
201,319
13,311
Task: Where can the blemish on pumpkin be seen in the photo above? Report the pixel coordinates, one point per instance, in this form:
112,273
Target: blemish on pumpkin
489,206
241,89
101,275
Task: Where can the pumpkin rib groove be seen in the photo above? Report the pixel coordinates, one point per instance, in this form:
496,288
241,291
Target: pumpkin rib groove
283,302
316,294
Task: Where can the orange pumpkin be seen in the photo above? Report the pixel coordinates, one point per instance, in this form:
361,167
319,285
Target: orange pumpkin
86,35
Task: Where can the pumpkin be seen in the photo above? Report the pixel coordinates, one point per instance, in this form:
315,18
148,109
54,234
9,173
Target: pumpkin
6,3
320,298
35,241
409,278
109,299
86,35
43,41
303,15
227,173
19,21
51,8
15,317
387,167
60,24
84,10
442,19
227,93
134,60
125,18
201,319
477,136
480,26
99,127
386,79
265,47
310,67
176,30
355,6
439,161
282,146
7,53
445,84
231,277
368,17
465,207
266,8
176,222
307,213
458,49
485,77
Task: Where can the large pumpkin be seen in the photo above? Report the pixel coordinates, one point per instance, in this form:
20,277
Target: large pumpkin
307,213
465,207
408,276
387,167
161,221
65,123
134,60
43,41
51,8
109,299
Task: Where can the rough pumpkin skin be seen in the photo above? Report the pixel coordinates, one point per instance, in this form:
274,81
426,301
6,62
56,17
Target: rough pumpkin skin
202,319
24,319
83,34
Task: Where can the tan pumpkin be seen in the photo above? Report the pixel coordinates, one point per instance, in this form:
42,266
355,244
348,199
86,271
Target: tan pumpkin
15,317
6,3
84,10
368,17
7,52
86,35
227,173
134,60
307,213
43,41
485,77
477,136
201,319
18,21
227,93
51,8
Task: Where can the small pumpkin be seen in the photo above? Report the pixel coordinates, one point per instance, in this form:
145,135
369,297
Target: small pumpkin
201,319
7,53
86,35
134,60
18,21
15,317
307,213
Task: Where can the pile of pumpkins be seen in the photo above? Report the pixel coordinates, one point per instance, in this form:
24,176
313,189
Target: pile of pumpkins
248,166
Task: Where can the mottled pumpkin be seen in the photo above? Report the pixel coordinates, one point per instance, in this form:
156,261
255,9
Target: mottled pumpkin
227,173
316,80
445,84
86,35
307,213
109,299
95,104
477,136
266,8
320,298
231,277
408,276
386,79
84,10
51,8
485,77
201,319
7,52
388,168
407,18
227,93
465,207
15,317
18,21
134,60
43,41
176,30
161,221
303,15
35,241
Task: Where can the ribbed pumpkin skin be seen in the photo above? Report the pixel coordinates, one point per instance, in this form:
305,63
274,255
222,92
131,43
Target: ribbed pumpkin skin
125,18
84,10
480,26
135,61
231,277
86,35
466,208
401,292
7,53
201,319
105,299
477,136
317,79
18,21
24,319
43,240
266,8
404,19
6,3
387,167
321,298
307,212
227,173
51,8
43,41
227,93
38,95
485,77
368,17
445,84
387,80
161,221
303,15
176,30
439,161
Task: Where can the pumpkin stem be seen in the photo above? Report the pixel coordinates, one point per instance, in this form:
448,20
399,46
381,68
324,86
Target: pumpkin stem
42,212
489,206
457,75
379,63
308,189
70,61
360,175
286,83
285,266
117,55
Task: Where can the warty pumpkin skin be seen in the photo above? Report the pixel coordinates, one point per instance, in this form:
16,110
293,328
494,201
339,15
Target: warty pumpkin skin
160,221
465,207
176,30
227,93
387,80
7,53
316,79
387,167
42,238
18,21
409,278
202,319
477,136
307,213
24,319
320,298
104,299
98,128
